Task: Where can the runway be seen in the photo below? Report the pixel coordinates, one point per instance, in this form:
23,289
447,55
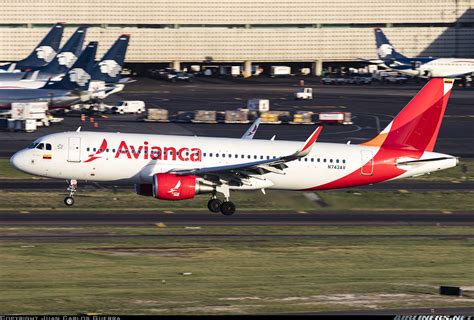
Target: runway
130,218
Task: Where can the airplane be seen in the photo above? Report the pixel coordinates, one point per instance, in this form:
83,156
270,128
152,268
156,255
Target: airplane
70,90
44,52
52,71
64,93
169,167
424,67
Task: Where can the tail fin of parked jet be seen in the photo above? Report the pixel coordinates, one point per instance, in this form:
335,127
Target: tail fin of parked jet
416,127
78,76
45,51
109,67
385,50
65,58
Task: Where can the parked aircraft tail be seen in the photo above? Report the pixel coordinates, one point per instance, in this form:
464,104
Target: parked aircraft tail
109,67
65,58
385,50
416,127
44,52
78,76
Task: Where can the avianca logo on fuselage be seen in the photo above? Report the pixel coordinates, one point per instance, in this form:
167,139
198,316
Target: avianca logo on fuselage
147,152
158,153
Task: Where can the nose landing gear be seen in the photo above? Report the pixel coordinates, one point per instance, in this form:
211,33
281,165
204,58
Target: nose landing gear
72,188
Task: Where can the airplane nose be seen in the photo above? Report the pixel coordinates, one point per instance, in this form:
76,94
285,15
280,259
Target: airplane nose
18,160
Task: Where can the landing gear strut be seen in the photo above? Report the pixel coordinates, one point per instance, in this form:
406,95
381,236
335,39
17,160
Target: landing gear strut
72,188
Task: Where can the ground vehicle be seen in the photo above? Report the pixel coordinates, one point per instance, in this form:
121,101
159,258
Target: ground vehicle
129,107
280,71
304,93
360,80
335,117
395,79
334,80
172,75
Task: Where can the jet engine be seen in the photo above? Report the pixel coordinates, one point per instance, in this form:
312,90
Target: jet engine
167,186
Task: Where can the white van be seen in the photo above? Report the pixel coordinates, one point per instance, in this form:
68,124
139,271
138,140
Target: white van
130,107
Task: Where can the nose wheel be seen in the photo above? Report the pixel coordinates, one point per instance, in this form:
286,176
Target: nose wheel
72,188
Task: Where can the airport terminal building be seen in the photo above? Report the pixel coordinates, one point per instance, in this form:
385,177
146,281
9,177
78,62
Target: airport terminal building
246,31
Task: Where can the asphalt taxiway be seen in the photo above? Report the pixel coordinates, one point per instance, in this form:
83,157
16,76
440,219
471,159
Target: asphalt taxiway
186,218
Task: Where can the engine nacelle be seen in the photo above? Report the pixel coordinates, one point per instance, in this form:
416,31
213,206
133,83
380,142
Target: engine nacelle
167,186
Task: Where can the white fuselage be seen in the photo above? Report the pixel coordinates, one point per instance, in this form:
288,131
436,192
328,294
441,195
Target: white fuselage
442,67
98,156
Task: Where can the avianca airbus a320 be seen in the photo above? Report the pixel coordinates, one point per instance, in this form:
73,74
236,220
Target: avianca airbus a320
175,167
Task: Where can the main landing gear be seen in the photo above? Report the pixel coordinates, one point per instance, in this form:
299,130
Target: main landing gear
226,207
72,188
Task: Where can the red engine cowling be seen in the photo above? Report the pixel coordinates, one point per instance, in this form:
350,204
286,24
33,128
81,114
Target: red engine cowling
167,186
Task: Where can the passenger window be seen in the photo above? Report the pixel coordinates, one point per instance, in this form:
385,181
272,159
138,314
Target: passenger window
88,149
324,160
330,160
343,161
94,149
223,155
337,160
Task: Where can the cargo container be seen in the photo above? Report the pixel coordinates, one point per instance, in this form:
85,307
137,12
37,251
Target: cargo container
335,117
157,114
259,105
204,116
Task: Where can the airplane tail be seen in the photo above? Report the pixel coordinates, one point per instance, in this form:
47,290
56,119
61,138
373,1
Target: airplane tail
385,50
78,76
45,51
109,67
65,58
416,127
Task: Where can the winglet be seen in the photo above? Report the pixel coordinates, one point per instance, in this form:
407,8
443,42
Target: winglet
248,135
303,151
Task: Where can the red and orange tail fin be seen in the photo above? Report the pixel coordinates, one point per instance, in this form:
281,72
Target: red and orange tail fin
417,125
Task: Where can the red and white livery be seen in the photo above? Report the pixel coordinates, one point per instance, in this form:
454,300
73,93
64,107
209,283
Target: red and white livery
179,167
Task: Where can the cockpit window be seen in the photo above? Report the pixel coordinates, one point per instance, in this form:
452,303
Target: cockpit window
40,146
48,146
33,145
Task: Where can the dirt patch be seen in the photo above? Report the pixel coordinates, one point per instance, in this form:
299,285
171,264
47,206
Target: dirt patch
152,251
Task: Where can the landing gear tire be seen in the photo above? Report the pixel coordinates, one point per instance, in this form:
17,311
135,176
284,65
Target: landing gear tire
69,201
227,208
214,205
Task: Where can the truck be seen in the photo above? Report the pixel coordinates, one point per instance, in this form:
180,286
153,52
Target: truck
304,94
130,106
335,118
280,71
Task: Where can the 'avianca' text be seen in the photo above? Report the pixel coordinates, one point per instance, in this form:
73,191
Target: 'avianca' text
158,153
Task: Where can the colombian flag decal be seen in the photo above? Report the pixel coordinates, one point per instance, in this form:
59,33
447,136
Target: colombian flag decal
47,156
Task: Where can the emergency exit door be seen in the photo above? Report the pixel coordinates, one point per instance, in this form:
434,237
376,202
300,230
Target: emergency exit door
74,149
367,168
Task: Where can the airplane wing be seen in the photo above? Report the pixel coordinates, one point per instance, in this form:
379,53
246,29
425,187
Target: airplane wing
250,133
244,170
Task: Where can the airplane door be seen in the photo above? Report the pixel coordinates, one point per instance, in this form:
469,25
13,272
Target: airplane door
367,168
74,149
